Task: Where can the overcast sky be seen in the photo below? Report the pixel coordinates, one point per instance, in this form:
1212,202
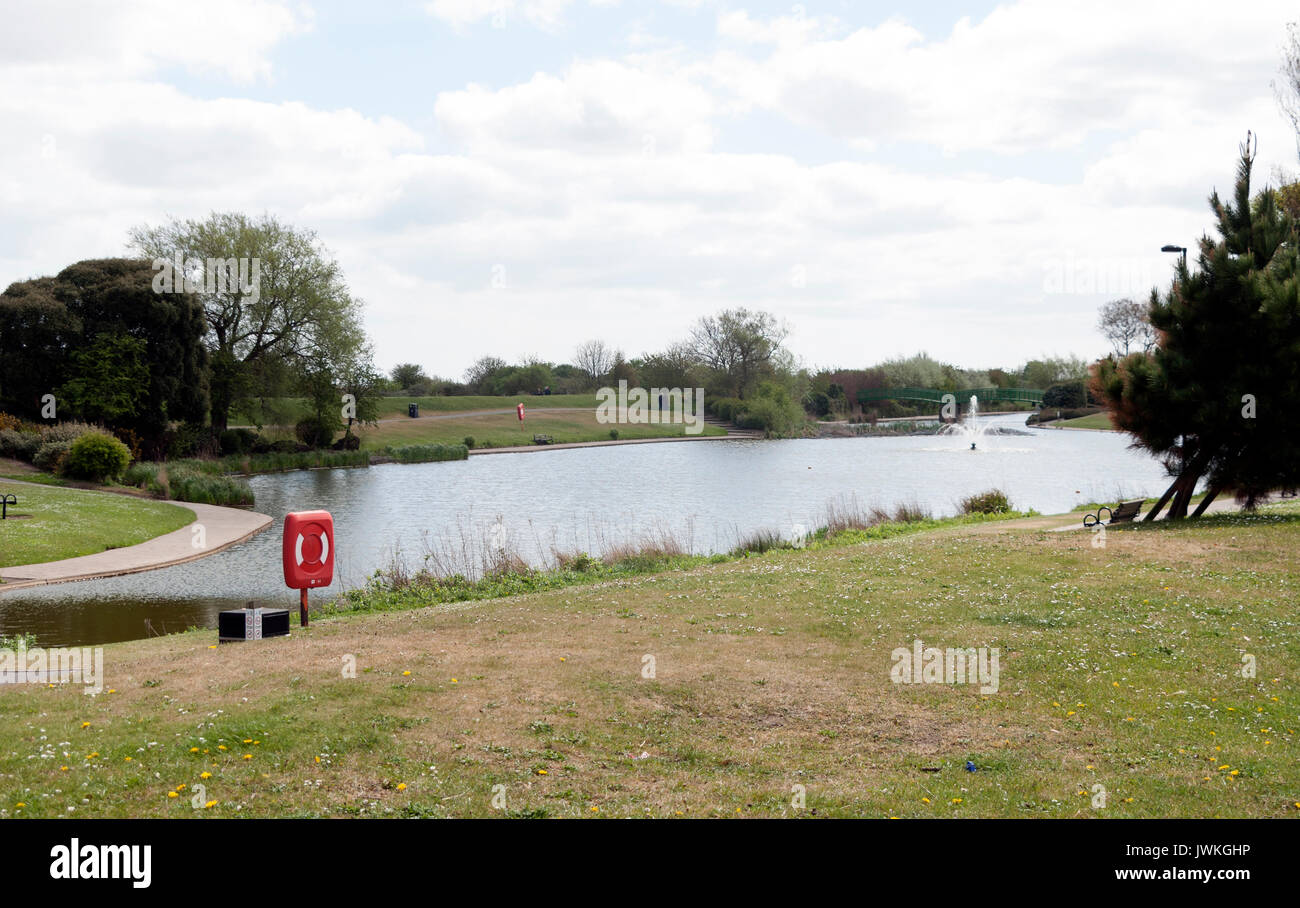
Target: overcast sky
515,176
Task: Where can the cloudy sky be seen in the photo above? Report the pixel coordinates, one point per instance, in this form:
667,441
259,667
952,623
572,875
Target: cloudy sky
515,176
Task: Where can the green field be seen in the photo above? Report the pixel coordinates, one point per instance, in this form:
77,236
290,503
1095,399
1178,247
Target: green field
1092,421
50,524
396,406
1121,667
503,429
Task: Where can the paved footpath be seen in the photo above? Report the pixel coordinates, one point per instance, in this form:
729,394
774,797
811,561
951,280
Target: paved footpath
222,528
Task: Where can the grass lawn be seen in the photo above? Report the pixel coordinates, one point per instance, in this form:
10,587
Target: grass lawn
396,406
502,429
1120,667
1091,421
55,523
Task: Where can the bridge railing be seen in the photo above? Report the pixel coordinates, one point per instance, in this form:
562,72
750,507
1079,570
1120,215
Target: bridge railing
934,395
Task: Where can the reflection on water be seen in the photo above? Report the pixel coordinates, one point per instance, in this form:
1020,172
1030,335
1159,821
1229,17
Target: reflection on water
706,494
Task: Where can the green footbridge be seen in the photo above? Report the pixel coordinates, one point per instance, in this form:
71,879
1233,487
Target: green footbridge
935,396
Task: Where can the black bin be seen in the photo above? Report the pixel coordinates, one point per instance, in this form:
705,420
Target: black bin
413,410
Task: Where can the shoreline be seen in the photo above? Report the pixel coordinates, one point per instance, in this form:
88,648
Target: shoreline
223,528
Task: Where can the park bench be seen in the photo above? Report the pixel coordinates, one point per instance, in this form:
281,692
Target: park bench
1123,512
542,439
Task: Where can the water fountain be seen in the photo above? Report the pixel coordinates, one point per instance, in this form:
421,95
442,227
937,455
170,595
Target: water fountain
969,429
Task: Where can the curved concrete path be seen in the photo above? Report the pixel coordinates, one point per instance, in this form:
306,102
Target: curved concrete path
222,528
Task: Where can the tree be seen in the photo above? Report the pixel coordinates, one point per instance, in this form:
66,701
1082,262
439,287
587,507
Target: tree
104,308
293,303
738,345
408,375
1215,398
1288,90
108,379
595,358
480,375
1124,323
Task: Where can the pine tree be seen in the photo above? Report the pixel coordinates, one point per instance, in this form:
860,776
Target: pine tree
1218,397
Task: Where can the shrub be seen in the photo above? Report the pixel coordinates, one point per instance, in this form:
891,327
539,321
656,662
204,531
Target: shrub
728,409
994,501
469,441
427,453
1066,394
9,422
68,431
97,457
19,445
314,432
189,481
347,443
190,440
237,441
613,433
49,456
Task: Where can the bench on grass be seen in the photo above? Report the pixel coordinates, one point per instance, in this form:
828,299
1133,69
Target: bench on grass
1124,512
542,439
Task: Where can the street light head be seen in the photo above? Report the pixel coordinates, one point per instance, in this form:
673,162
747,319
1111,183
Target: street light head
1169,247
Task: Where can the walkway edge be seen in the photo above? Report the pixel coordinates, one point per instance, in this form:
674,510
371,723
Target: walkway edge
223,527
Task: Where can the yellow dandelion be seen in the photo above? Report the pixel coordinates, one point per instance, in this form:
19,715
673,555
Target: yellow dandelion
128,759
248,740
541,772
957,800
172,794
248,756
210,805
594,808
453,681
205,775
401,786
85,725
925,800
1070,713
221,747
63,769
404,674
318,759
20,805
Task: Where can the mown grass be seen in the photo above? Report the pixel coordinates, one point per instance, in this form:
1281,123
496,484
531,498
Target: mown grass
1092,421
496,430
390,407
1120,667
49,524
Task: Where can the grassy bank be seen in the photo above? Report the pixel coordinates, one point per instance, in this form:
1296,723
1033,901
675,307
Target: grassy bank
50,524
496,430
1092,421
1120,667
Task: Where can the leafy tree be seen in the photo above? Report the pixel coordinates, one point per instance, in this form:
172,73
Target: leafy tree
738,345
54,318
296,302
108,379
1216,398
408,375
479,377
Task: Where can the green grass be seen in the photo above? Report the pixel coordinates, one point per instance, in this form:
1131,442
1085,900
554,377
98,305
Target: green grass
1092,421
504,429
390,407
55,523
1120,667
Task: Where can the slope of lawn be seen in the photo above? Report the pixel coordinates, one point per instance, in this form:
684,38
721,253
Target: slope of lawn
503,429
49,523
1091,421
715,691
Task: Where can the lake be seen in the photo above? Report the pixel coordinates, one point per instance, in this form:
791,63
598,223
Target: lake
706,495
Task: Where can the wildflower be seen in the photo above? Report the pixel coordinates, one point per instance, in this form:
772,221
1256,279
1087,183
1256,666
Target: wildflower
210,804
248,756
404,674
925,800
541,772
172,794
401,786
594,808
85,725
205,775
957,800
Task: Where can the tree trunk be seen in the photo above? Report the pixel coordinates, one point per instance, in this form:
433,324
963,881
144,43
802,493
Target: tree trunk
1210,495
1186,485
1159,505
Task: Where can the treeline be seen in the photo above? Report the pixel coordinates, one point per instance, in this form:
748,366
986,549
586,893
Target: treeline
228,314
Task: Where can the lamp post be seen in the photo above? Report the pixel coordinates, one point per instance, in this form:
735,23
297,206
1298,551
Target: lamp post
1169,247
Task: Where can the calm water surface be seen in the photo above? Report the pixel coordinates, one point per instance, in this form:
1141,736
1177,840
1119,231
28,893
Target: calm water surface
704,494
